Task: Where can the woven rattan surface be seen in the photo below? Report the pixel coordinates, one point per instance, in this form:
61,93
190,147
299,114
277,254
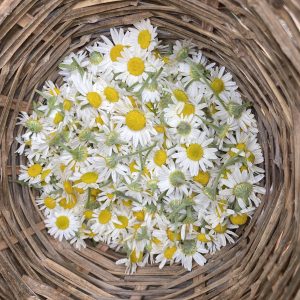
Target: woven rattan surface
259,42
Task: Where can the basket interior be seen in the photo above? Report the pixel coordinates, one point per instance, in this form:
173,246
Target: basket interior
259,42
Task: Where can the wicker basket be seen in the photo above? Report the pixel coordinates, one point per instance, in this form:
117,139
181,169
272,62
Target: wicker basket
259,42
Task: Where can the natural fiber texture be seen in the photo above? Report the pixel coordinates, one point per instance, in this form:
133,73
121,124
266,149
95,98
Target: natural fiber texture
259,42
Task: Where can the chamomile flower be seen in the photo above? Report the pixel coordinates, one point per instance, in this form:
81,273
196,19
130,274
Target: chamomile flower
242,185
135,65
173,179
144,35
62,224
46,203
196,155
189,251
137,124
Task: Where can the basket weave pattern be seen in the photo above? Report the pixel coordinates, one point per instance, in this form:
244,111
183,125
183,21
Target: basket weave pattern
259,42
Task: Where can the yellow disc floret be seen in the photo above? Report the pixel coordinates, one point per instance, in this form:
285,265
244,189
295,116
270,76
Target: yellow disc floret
135,66
144,39
49,202
62,222
124,222
202,177
239,219
104,216
160,157
194,152
94,99
180,95
115,52
169,252
89,177
111,94
135,120
217,85
35,170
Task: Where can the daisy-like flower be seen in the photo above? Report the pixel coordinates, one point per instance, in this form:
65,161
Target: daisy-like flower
242,185
87,178
168,254
144,35
188,251
90,91
135,65
221,82
35,126
112,50
73,64
173,179
46,203
158,157
196,155
137,124
101,221
184,129
62,224
31,173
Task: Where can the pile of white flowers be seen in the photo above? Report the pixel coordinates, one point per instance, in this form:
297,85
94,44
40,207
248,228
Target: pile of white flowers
146,147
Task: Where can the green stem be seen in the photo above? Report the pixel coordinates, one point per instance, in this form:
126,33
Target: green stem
119,193
138,152
200,73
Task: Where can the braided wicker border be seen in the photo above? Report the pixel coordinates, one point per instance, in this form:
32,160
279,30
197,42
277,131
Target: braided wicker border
259,42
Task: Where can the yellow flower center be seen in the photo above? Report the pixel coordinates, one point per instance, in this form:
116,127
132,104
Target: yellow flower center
202,178
68,187
110,196
111,94
89,177
160,157
132,167
115,52
139,215
68,204
202,238
144,39
124,222
127,203
239,146
88,214
34,170
135,66
188,109
45,173
180,95
67,105
172,236
251,157
99,120
54,92
49,202
104,216
134,258
95,192
220,228
62,222
94,99
58,118
194,152
169,252
239,219
159,128
217,85
135,120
